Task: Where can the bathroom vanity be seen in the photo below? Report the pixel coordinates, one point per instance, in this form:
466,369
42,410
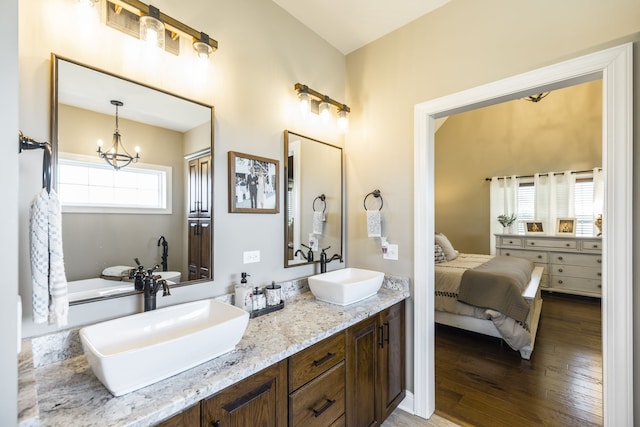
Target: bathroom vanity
312,363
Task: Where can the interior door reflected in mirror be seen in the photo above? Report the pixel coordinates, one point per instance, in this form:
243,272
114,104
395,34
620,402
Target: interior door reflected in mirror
155,210
313,200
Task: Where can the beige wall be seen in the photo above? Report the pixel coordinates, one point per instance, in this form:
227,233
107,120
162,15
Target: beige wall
263,51
461,45
561,132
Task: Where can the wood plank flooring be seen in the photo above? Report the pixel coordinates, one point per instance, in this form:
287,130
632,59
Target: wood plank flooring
480,381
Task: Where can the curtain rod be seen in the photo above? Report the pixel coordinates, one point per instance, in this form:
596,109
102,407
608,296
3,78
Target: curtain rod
543,174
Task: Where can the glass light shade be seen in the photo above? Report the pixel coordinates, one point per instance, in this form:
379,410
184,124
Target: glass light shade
343,120
325,113
305,103
203,50
152,31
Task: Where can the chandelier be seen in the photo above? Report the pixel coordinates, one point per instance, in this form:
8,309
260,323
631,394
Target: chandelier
117,156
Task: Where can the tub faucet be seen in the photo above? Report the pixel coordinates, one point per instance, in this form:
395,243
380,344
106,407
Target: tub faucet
308,257
324,261
165,252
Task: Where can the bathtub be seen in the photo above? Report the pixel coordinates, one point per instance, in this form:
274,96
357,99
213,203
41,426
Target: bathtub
99,288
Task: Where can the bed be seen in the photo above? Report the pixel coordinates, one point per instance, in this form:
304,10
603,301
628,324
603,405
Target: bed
518,329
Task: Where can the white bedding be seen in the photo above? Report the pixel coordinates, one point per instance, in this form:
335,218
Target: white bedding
447,282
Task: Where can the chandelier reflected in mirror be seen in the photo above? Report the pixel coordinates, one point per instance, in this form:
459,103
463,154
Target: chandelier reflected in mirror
117,155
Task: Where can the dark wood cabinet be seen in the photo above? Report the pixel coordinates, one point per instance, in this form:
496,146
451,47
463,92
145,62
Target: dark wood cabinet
260,400
199,184
375,367
188,418
199,249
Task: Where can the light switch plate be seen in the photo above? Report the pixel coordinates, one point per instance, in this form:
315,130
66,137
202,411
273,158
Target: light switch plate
392,252
251,257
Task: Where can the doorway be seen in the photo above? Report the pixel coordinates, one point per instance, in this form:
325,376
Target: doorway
614,66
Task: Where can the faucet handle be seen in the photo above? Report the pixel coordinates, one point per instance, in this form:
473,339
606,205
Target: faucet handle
328,247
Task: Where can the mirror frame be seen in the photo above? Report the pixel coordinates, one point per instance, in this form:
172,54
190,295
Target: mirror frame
55,58
285,178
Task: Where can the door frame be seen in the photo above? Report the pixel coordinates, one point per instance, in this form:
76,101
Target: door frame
614,66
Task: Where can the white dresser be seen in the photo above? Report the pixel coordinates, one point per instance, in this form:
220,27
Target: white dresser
572,265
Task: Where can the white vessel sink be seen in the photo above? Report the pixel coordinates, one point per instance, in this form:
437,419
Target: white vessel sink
346,286
134,351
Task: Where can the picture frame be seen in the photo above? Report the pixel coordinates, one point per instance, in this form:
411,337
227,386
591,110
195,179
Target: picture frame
254,184
533,227
566,226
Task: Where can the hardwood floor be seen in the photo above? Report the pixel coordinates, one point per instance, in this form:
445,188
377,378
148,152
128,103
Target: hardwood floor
480,381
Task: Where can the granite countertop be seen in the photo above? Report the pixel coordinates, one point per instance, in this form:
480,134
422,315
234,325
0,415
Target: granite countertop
67,393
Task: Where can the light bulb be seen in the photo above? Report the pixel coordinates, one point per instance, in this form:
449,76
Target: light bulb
325,114
343,120
305,103
100,143
152,28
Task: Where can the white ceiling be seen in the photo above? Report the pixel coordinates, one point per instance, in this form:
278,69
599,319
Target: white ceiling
351,24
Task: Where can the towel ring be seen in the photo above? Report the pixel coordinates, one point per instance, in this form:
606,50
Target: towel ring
26,143
322,198
377,195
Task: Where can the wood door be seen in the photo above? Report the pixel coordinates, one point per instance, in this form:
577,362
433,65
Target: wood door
194,249
193,189
362,347
204,270
204,186
260,400
391,360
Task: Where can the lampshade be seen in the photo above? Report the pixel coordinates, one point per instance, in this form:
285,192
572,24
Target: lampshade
152,28
343,119
305,102
324,111
202,47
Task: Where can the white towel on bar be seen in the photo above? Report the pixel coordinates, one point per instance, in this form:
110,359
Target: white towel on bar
374,227
49,297
317,222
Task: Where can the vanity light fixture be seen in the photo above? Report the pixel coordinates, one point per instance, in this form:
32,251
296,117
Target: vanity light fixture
314,101
117,156
89,3
153,24
536,98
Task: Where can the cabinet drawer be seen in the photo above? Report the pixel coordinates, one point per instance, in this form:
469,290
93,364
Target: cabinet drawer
592,245
576,271
577,259
551,243
340,422
308,364
586,286
321,402
537,257
511,242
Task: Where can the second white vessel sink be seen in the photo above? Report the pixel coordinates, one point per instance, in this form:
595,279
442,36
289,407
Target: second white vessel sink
134,351
345,286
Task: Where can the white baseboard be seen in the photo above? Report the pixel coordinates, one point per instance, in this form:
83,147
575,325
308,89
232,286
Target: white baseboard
407,403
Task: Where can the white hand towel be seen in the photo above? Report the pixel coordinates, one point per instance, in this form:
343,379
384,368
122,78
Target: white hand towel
39,246
374,227
317,222
59,302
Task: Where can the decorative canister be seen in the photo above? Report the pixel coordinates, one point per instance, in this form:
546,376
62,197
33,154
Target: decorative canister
274,294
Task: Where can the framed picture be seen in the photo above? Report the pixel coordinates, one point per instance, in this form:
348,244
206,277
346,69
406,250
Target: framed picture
533,227
566,226
253,184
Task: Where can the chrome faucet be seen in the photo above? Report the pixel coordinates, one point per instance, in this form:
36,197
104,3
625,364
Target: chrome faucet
150,284
324,261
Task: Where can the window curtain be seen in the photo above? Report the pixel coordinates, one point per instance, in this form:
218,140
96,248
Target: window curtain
504,201
555,197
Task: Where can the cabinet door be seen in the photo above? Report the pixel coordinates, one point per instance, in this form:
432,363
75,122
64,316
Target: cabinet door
187,418
204,271
391,360
199,183
362,345
194,249
260,400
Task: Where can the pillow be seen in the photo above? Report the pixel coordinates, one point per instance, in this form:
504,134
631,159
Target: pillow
447,247
439,255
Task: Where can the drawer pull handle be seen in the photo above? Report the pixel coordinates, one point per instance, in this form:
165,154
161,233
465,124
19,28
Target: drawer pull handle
568,244
381,342
507,254
600,286
533,243
215,423
386,324
560,282
599,261
323,360
599,274
559,270
560,258
327,405
510,241
539,256
595,246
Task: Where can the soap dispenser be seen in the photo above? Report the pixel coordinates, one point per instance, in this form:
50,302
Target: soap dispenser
244,295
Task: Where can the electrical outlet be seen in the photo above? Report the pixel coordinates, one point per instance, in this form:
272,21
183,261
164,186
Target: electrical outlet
392,252
251,256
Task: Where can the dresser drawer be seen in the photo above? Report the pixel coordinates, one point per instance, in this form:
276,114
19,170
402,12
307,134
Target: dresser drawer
321,402
551,243
537,257
510,242
592,245
576,259
575,271
574,284
311,362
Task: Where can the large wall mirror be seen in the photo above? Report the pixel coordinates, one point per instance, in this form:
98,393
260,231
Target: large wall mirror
314,198
156,210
